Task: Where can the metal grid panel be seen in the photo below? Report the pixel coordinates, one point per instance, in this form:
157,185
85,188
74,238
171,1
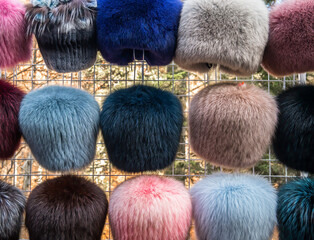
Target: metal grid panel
100,80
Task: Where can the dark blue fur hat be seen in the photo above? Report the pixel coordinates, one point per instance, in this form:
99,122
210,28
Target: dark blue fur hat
141,127
295,210
294,137
127,25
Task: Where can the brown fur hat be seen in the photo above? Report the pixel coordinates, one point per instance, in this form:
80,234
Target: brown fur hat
231,125
66,208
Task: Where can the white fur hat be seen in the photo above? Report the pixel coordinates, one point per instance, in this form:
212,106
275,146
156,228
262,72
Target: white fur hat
229,33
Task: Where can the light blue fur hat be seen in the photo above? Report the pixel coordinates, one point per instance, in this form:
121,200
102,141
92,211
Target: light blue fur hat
60,125
234,207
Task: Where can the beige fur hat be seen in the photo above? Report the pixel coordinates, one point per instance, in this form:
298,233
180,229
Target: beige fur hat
231,125
232,34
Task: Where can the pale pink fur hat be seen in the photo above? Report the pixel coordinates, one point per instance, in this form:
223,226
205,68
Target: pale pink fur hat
150,208
231,125
15,44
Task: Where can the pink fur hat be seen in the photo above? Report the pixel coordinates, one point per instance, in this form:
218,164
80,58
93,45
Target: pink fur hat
231,125
290,48
150,207
15,44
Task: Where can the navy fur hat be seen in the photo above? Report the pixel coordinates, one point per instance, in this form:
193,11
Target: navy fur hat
294,138
60,125
12,203
126,28
295,211
66,208
234,207
141,127
65,31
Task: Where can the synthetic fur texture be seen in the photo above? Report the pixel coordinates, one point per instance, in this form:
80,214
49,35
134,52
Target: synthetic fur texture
66,33
141,126
15,45
66,208
294,137
231,125
10,134
234,207
290,48
295,211
126,28
12,204
232,34
150,208
60,125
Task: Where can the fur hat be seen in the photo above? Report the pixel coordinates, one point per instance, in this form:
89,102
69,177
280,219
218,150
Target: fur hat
290,47
10,134
234,207
231,34
141,127
150,207
65,32
66,208
60,125
127,28
231,125
12,203
294,137
295,212
15,44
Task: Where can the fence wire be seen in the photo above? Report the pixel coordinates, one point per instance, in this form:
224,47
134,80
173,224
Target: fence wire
102,79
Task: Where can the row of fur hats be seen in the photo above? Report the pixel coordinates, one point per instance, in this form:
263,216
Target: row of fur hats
198,34
141,126
224,207
230,125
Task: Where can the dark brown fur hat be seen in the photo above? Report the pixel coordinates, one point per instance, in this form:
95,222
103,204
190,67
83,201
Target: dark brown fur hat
66,208
231,125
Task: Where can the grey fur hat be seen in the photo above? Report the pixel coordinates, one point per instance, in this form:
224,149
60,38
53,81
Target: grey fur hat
232,34
12,204
65,31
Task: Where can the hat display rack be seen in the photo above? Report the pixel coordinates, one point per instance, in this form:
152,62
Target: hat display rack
137,126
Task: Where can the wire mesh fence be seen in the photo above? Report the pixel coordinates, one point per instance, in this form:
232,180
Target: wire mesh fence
102,79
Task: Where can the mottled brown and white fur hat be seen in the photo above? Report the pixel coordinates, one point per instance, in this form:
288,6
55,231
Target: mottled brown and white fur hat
231,125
